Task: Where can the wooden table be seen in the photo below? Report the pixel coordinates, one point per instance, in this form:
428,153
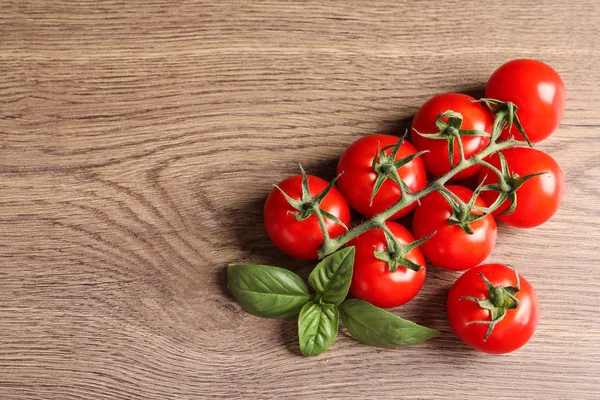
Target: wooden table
138,141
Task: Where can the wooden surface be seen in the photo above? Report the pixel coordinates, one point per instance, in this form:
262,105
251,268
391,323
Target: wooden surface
138,141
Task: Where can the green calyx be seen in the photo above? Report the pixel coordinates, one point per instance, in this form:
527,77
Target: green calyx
500,299
386,166
507,186
505,114
451,131
464,214
396,252
309,205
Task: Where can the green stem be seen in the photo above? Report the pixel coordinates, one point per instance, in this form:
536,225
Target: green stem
450,193
501,181
400,184
461,149
331,245
460,209
398,246
319,215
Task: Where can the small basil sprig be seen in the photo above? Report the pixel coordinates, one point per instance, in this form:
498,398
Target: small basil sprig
268,292
376,327
273,292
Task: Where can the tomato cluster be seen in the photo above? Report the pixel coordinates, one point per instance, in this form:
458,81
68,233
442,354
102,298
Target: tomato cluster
490,307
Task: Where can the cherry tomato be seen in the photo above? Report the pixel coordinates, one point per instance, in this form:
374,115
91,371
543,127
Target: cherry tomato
538,198
372,280
451,247
475,117
538,92
358,175
301,239
519,320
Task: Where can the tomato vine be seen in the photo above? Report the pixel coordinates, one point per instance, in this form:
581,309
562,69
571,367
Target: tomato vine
380,262
505,186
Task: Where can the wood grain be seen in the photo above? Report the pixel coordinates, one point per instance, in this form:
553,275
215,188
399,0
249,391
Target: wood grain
138,141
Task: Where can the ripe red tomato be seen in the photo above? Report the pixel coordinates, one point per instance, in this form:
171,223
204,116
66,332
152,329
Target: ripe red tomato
451,247
475,117
538,92
538,198
512,330
358,175
301,239
372,280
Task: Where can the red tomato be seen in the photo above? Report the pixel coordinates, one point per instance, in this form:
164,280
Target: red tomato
513,330
538,92
451,247
372,280
358,175
539,197
475,117
301,239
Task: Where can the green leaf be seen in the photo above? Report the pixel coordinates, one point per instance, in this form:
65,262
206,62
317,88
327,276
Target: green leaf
331,278
376,327
268,292
317,327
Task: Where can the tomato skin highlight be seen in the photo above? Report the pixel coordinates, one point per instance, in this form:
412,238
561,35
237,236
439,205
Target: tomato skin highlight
536,89
539,198
475,117
372,280
301,239
451,247
358,176
517,327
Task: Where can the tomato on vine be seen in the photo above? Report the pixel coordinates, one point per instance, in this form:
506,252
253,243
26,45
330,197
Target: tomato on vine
537,91
291,219
388,272
374,172
464,237
493,309
469,123
533,186
490,307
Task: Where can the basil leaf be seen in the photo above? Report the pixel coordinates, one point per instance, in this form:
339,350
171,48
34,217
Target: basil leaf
317,327
331,278
268,292
372,325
